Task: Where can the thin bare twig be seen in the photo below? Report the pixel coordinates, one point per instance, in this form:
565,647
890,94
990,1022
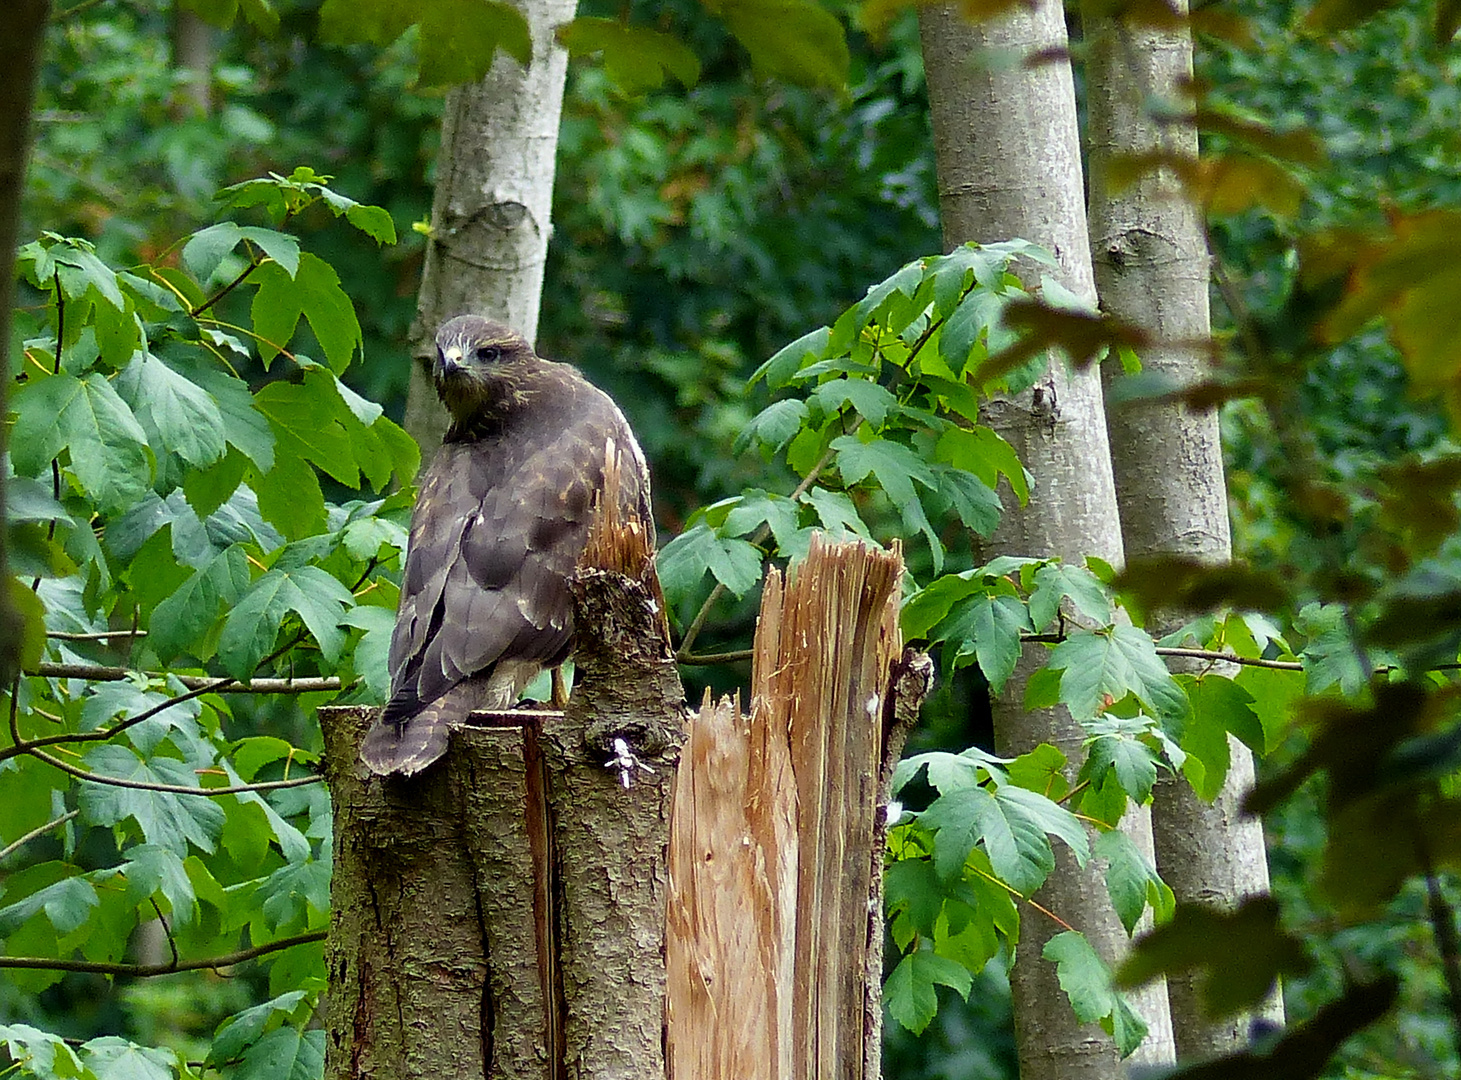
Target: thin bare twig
173,789
254,263
75,9
1443,928
212,963
40,830
1230,658
1215,655
203,686
166,929
707,659
105,635
206,683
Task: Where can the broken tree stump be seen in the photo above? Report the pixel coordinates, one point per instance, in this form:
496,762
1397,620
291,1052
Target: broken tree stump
775,917
519,912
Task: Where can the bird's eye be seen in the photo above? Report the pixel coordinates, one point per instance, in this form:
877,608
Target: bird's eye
489,354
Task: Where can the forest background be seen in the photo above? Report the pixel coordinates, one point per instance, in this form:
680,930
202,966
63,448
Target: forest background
697,231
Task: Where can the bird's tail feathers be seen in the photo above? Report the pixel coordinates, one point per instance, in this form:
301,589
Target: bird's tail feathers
406,747
406,741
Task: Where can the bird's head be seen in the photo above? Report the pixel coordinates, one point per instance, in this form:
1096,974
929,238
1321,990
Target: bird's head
476,363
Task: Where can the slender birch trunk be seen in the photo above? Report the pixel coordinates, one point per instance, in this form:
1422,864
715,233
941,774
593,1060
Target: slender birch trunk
490,220
1008,155
1151,261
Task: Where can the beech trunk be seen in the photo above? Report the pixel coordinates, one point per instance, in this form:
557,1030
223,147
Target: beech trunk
1152,267
1008,158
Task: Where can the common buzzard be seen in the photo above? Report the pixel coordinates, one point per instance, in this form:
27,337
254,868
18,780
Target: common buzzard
499,526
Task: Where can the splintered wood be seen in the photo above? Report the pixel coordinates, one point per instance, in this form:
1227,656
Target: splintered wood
771,860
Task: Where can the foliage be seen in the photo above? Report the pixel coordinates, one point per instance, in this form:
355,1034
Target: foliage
700,230
881,410
698,227
169,514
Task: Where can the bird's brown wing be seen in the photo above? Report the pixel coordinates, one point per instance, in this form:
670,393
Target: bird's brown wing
498,530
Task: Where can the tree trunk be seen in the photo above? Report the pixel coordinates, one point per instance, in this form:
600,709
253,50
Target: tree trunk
193,54
1151,262
22,30
494,199
1008,156
502,914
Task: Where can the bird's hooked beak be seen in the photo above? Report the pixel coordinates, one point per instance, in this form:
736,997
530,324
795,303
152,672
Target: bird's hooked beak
448,362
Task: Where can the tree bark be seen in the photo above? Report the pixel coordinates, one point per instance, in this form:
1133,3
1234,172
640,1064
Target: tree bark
1151,261
490,220
1008,157
22,31
502,914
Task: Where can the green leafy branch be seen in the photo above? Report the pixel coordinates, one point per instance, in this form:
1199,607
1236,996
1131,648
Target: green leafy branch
154,486
886,386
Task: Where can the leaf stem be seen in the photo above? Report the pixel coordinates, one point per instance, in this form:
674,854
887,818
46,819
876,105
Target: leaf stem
1021,896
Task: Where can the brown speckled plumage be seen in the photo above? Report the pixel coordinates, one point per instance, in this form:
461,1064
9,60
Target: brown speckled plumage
499,525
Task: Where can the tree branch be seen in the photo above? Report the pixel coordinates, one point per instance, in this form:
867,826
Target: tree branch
40,830
254,263
206,683
85,671
683,654
212,963
1230,658
173,789
707,659
106,635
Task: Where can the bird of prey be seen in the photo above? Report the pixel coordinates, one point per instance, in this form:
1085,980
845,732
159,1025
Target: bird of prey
499,525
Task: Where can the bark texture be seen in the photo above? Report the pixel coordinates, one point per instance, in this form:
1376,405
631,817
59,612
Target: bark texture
611,828
1008,156
435,956
22,31
1151,262
502,914
775,916
490,220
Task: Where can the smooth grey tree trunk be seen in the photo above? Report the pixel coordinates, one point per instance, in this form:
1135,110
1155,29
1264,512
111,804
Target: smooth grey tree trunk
1151,262
22,30
490,220
1009,166
193,54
